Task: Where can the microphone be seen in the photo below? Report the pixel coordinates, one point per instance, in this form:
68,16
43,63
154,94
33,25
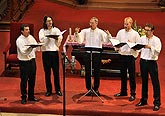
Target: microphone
63,53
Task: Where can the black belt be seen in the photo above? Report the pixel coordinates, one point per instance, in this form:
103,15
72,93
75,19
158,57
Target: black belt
148,60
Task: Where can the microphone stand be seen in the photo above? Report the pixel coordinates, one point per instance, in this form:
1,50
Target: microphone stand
64,97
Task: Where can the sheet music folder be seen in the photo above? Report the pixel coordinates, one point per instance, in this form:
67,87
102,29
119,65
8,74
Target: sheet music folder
56,36
90,49
138,46
120,45
35,45
117,43
52,36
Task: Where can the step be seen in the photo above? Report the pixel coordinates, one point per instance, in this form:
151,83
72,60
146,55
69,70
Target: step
127,5
4,26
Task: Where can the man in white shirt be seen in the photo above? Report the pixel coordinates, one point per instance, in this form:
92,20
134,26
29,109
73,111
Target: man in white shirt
51,37
128,57
148,65
26,56
93,38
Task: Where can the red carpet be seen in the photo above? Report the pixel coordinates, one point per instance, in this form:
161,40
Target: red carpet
9,88
66,17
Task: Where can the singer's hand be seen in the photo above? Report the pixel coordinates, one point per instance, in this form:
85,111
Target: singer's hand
116,48
107,32
148,46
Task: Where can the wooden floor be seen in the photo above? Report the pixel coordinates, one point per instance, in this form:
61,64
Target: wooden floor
124,5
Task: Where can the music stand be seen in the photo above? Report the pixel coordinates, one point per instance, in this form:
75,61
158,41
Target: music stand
91,89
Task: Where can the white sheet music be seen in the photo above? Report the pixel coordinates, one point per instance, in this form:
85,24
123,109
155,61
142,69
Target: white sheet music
114,42
63,32
130,44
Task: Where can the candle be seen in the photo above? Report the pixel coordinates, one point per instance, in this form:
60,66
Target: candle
70,31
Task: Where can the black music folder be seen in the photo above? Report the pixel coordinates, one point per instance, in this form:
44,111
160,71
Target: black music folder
53,36
56,36
138,46
120,45
35,45
117,43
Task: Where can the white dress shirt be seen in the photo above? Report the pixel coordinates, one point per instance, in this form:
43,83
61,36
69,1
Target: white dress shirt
92,38
150,54
24,52
124,37
50,44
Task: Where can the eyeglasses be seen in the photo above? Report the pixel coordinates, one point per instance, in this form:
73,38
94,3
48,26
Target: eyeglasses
147,30
91,23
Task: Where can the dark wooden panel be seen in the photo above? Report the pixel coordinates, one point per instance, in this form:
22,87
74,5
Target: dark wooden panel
106,69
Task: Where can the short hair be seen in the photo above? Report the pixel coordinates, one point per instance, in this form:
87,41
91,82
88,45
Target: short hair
150,26
23,26
129,19
95,19
44,22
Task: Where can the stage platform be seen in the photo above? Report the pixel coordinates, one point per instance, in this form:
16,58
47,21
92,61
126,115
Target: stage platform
75,88
75,85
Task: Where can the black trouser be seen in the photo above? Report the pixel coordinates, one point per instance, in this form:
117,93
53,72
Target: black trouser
51,61
128,63
150,67
96,60
27,75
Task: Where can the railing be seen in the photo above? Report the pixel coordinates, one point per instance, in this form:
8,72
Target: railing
18,8
12,11
3,8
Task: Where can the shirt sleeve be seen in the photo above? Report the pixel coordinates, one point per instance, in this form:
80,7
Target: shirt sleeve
42,37
137,37
25,50
58,42
118,36
106,37
155,50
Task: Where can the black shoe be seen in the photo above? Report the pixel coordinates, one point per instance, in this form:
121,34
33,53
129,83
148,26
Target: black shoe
141,103
59,93
156,108
48,94
132,98
97,92
33,99
120,94
23,101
